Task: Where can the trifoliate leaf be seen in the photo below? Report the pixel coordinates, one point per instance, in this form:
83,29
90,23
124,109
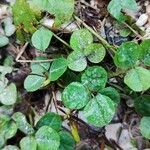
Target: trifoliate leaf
77,61
145,47
57,69
99,111
142,105
41,39
80,39
116,6
33,82
62,9
47,139
8,95
22,123
112,93
50,119
138,79
94,78
127,55
66,141
75,96
28,143
144,127
3,40
95,52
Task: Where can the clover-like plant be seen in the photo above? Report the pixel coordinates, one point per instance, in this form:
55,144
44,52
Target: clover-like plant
129,56
81,42
43,73
97,102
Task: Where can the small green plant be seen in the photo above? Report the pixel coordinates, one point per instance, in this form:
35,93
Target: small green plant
99,103
78,70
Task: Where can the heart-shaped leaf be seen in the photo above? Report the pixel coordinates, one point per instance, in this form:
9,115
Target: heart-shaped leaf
144,127
57,69
138,79
75,96
94,78
8,95
115,7
28,143
47,138
80,39
66,141
99,111
127,55
41,39
7,127
41,67
95,52
142,105
3,40
22,123
112,93
145,46
50,119
77,61
33,82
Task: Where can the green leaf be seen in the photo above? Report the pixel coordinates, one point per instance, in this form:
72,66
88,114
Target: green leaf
142,105
80,39
41,39
112,93
5,69
127,55
75,96
28,143
8,95
116,6
57,69
94,78
10,147
95,52
26,21
2,141
77,61
22,123
66,141
145,46
62,9
144,127
9,130
50,119
138,79
33,82
41,67
99,111
7,127
3,40
47,139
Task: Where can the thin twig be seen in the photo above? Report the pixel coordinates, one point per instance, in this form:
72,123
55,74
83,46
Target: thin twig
29,61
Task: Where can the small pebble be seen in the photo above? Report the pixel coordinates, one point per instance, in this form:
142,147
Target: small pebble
142,20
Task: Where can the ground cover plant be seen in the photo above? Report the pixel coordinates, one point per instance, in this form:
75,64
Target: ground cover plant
63,82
